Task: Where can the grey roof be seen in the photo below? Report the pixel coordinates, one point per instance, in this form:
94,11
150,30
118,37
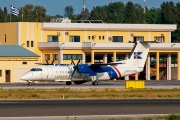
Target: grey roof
15,51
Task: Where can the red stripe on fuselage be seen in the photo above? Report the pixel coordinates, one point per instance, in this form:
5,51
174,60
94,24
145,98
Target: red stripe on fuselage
117,71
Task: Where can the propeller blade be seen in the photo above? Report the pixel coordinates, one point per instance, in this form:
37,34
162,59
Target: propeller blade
75,66
78,62
73,71
72,62
52,62
47,62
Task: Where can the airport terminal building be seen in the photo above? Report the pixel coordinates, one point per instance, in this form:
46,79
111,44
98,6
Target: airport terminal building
94,43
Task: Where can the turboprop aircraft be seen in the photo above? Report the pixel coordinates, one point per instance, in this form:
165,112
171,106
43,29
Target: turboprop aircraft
81,73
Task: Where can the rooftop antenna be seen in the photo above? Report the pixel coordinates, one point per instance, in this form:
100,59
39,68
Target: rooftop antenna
84,5
144,6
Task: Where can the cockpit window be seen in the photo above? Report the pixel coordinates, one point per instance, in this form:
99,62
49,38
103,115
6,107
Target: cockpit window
36,69
33,69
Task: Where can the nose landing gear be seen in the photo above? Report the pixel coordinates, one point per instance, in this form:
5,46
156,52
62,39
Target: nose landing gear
29,83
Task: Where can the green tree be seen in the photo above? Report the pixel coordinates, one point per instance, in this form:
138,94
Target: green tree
5,14
28,13
139,12
116,12
130,16
68,11
176,33
152,15
1,15
84,14
168,12
40,13
94,15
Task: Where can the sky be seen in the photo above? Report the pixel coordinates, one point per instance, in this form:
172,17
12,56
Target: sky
55,7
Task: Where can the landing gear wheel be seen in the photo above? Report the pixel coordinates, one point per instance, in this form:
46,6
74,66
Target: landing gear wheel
30,83
95,83
68,82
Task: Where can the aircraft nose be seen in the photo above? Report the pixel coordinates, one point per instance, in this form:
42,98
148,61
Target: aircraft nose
23,77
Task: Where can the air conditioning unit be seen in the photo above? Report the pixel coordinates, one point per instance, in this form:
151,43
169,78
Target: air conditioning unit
163,35
132,34
109,38
66,33
58,33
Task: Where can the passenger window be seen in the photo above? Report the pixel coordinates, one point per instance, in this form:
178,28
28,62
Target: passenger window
38,69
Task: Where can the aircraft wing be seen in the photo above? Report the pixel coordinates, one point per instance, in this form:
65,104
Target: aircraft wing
105,64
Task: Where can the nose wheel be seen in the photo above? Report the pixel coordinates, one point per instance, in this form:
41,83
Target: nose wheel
29,83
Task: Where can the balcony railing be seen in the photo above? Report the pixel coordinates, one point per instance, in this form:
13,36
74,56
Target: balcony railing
104,45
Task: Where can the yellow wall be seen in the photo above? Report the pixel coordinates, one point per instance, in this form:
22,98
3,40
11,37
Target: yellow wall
11,64
137,34
75,33
118,33
154,34
30,31
97,34
11,31
51,52
52,32
72,52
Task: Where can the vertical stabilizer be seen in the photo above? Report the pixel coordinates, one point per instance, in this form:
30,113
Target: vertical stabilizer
139,54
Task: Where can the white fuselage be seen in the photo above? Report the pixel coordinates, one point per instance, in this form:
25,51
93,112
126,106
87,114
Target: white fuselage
63,73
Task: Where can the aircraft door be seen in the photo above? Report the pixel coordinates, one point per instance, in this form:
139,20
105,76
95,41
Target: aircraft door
50,74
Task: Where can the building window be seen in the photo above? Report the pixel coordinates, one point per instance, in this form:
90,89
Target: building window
52,38
158,38
24,63
89,37
32,43
47,56
103,37
5,38
27,43
74,39
138,38
72,56
117,38
0,73
55,56
99,37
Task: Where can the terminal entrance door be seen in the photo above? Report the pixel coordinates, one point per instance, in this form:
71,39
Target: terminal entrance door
8,72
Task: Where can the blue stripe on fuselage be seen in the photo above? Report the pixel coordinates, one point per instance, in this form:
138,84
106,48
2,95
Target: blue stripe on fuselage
93,70
111,72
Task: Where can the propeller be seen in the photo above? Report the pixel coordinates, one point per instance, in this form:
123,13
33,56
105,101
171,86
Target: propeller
75,66
47,63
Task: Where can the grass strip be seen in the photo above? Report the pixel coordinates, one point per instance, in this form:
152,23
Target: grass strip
100,93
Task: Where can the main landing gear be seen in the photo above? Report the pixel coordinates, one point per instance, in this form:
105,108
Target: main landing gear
68,82
94,80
